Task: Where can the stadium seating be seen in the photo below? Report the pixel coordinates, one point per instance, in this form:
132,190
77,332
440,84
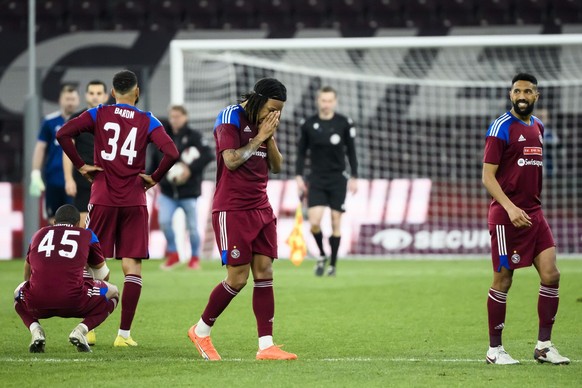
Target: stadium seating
201,14
129,14
567,11
13,16
282,17
495,12
385,13
311,13
50,15
275,16
238,14
166,15
351,18
421,13
458,12
85,15
531,11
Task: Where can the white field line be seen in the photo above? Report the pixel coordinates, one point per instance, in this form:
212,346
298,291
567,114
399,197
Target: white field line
194,359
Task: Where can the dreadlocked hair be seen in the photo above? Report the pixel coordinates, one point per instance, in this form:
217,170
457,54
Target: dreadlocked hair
265,89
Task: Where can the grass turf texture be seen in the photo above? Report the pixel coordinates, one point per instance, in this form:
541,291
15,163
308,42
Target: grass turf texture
379,323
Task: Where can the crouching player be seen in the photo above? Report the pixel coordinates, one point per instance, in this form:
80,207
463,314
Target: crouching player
54,285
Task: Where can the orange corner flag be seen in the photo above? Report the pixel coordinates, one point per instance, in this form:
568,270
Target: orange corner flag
296,240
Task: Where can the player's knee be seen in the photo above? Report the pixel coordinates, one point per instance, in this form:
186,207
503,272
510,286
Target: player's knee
551,277
237,283
264,273
502,284
315,228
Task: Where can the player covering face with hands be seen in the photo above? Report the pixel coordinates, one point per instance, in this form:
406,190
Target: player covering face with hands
244,224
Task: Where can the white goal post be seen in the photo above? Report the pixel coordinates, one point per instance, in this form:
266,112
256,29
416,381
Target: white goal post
422,106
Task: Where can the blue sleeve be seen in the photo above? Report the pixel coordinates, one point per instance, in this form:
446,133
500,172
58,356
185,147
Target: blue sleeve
500,128
93,113
154,122
228,115
94,238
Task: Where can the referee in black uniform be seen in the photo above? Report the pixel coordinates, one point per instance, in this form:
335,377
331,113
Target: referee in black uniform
75,185
329,137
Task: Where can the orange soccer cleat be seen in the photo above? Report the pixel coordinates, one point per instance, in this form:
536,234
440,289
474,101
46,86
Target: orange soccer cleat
204,345
275,353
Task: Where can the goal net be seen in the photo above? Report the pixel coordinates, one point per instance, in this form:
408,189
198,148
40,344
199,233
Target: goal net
421,106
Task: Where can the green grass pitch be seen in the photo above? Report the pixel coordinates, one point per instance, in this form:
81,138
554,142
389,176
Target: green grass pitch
378,323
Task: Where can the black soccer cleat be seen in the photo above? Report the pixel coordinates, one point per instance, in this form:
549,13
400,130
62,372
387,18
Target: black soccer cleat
320,267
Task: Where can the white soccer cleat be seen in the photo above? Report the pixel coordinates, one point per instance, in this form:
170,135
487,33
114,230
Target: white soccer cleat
499,356
547,352
78,339
37,341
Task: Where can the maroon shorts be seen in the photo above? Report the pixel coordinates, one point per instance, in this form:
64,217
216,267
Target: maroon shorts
92,302
240,234
513,247
122,231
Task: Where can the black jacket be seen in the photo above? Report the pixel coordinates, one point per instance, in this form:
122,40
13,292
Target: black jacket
184,139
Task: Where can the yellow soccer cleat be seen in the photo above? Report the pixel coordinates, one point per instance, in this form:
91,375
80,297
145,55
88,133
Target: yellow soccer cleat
124,342
91,338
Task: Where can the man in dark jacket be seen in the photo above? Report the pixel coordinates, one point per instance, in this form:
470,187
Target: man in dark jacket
182,185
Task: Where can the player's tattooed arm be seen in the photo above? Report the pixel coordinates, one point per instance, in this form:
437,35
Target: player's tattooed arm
233,159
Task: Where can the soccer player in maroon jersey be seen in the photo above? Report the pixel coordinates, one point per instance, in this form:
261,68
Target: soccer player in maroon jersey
244,224
117,207
520,234
54,284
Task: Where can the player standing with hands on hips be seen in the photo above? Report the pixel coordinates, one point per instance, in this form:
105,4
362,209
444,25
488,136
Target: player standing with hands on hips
244,224
520,234
328,136
118,211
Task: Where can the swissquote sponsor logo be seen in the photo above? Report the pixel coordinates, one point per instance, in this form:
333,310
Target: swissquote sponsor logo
529,162
396,239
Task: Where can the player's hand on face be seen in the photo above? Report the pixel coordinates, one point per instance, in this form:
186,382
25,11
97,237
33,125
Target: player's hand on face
88,171
269,124
148,182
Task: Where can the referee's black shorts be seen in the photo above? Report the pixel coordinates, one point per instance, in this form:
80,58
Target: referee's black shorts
327,190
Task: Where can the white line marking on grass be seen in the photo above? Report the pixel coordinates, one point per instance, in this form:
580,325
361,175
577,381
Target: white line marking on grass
197,359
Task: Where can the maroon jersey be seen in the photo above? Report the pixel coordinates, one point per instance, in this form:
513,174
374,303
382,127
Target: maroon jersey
57,256
516,148
122,133
246,187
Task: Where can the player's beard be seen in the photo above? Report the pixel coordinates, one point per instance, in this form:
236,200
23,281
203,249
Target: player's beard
523,112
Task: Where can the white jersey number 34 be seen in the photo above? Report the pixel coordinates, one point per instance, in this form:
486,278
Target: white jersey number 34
128,147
